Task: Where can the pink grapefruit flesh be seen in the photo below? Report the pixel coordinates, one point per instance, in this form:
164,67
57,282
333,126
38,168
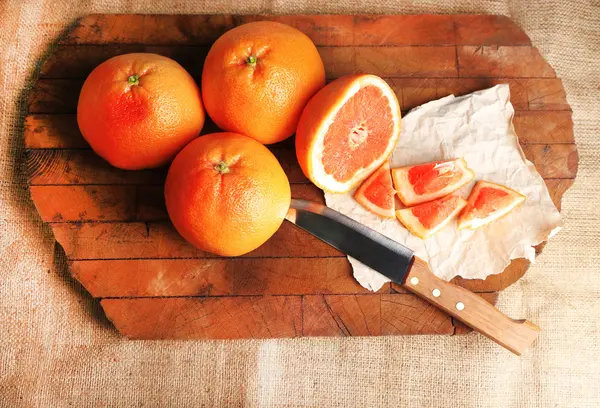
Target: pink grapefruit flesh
376,193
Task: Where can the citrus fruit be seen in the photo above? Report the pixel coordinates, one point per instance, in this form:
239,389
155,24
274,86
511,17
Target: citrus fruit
138,110
226,193
376,193
347,130
426,182
426,219
258,77
488,202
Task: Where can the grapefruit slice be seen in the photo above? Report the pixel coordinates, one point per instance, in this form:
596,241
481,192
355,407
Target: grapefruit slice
426,182
376,193
426,219
488,202
346,131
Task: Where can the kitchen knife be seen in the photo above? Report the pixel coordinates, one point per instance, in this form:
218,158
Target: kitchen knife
398,263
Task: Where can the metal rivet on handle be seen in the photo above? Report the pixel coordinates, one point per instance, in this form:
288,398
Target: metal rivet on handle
436,293
460,306
414,280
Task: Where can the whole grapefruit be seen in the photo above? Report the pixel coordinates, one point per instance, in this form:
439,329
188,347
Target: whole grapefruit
138,110
258,77
226,193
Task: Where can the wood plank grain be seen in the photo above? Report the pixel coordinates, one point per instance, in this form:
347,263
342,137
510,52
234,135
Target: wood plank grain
206,318
338,30
544,127
338,61
106,29
217,277
53,132
398,62
54,96
546,94
200,29
419,29
502,61
408,314
85,167
84,203
77,62
123,240
341,315
160,29
157,240
553,160
413,92
323,30
477,29
557,188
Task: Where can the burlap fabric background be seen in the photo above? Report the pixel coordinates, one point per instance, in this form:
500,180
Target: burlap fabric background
57,349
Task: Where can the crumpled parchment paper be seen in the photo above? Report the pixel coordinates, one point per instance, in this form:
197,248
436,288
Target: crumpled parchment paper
477,127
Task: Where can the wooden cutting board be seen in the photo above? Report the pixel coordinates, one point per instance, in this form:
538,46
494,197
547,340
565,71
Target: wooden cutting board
113,227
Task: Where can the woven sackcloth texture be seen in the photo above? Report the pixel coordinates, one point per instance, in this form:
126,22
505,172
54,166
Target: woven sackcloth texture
57,349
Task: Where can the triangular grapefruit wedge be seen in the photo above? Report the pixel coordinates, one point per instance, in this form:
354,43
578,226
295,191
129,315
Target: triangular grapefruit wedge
376,193
346,131
426,182
488,202
426,219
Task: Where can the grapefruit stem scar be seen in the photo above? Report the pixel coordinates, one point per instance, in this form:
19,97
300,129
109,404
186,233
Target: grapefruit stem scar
251,60
222,167
133,80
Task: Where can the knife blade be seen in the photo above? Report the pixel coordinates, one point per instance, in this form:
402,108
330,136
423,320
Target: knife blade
373,249
399,264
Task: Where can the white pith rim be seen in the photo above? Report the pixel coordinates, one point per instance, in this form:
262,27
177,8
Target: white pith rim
328,181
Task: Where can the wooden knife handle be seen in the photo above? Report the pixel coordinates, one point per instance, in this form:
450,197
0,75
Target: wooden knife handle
472,310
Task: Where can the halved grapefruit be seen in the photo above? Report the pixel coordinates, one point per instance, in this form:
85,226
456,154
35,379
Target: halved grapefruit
426,182
376,193
488,202
426,219
346,131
